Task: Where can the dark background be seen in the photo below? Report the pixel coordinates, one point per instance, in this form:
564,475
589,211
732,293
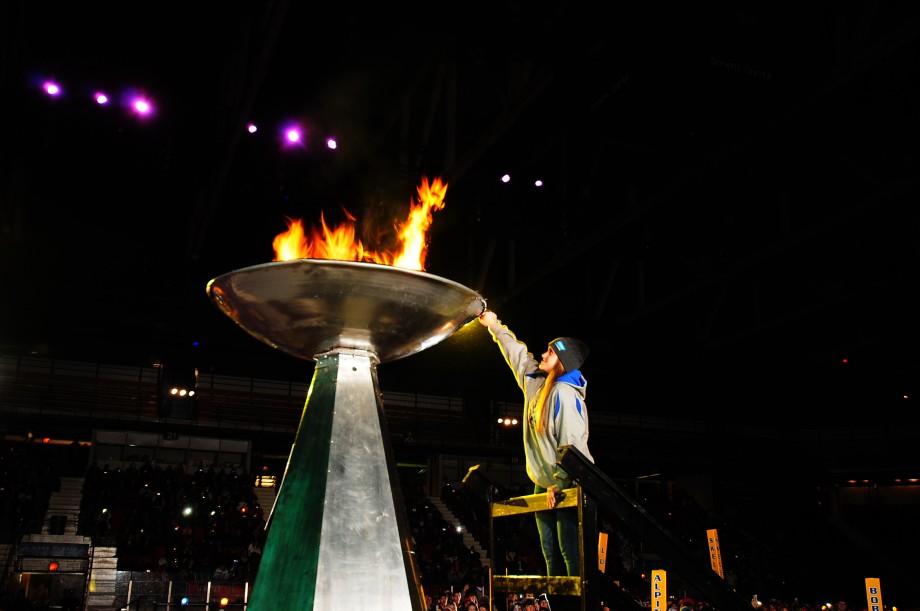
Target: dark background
729,208
729,216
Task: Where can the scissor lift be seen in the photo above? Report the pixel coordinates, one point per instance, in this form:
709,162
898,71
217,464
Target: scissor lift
578,589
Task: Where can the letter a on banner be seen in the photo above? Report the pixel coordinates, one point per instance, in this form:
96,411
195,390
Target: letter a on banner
873,594
715,556
659,590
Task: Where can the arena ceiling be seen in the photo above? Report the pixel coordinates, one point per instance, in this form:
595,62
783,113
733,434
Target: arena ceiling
728,212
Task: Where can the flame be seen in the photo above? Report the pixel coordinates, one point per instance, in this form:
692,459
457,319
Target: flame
340,243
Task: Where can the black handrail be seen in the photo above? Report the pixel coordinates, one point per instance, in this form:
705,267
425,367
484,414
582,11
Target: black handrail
616,501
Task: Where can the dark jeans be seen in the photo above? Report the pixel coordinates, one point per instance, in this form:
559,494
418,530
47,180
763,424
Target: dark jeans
558,529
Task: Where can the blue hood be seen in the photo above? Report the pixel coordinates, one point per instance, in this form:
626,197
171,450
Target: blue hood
573,377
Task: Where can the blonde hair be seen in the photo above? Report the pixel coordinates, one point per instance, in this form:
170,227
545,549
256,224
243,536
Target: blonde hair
541,419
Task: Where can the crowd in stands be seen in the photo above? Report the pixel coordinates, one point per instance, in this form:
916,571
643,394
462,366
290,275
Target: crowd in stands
204,525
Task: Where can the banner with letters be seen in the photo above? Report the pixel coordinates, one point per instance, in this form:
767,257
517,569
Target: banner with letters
659,590
602,552
715,555
873,594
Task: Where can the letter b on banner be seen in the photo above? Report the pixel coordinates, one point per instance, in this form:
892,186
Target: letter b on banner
874,594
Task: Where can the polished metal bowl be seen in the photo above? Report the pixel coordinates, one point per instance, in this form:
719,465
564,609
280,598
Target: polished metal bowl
308,307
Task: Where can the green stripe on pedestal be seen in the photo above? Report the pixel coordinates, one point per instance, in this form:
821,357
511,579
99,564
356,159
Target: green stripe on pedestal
287,571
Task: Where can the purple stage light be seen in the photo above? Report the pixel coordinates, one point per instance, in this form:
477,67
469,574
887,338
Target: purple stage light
331,143
292,135
142,106
251,128
538,183
51,88
506,178
101,98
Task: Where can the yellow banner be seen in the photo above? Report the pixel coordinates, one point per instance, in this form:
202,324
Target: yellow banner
874,594
715,555
660,590
602,552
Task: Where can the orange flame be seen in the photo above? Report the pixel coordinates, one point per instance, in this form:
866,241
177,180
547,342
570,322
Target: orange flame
340,243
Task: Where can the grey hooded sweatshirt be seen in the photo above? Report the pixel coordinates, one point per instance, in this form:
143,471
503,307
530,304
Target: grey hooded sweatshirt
568,421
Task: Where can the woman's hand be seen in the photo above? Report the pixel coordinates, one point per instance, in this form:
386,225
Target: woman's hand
487,318
551,493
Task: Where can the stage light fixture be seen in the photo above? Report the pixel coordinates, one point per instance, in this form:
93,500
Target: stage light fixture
331,143
141,106
178,382
506,178
251,128
101,98
292,135
51,88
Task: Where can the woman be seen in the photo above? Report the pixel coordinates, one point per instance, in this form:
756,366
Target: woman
555,415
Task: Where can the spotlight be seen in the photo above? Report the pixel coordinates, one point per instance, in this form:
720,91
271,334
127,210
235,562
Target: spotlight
101,98
500,420
331,143
514,421
459,529
178,380
224,601
142,106
293,135
251,128
51,88
538,183
506,178
184,601
53,566
186,511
